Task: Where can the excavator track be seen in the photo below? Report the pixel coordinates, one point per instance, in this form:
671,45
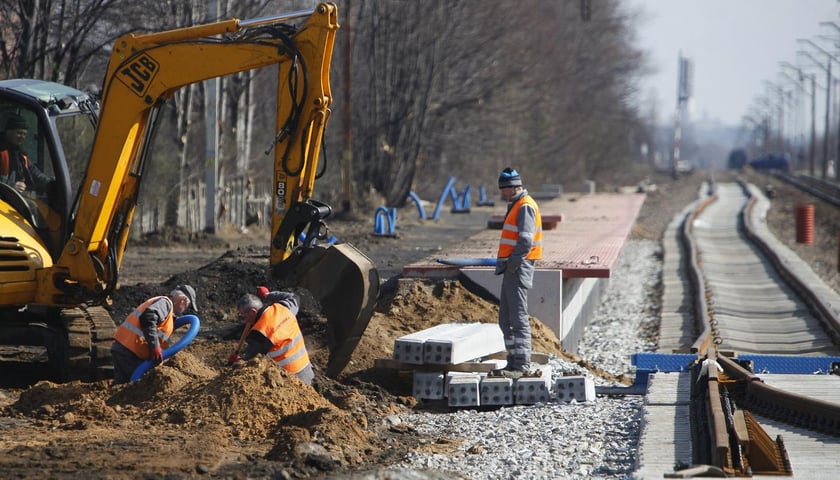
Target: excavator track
90,332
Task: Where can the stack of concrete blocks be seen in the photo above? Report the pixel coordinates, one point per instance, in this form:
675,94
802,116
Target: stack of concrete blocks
532,390
574,388
449,344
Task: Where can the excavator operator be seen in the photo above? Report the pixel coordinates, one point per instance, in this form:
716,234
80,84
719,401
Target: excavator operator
15,168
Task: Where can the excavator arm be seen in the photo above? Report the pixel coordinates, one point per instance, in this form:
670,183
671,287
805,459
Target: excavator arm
146,70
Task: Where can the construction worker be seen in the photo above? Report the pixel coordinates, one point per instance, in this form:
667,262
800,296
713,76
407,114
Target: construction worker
145,332
273,331
15,168
520,246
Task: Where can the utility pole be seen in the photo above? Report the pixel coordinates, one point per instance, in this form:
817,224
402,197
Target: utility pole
685,69
837,157
827,68
347,155
211,142
813,121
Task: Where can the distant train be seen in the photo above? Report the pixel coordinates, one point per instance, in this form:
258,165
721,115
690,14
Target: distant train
770,161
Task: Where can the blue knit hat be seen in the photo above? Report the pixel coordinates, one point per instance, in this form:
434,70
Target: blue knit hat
509,178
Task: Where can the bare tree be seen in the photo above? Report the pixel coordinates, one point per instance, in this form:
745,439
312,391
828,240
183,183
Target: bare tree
57,40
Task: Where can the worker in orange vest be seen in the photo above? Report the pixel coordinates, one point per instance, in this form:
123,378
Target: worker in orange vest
275,333
145,332
520,246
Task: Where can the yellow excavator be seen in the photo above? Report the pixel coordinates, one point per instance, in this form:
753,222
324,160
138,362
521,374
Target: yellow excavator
62,242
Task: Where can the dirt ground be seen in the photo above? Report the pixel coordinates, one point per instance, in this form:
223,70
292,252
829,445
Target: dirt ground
195,417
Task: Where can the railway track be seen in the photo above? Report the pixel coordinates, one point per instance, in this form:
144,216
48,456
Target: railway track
752,301
825,190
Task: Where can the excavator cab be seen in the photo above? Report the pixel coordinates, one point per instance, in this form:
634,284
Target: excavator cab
61,245
59,123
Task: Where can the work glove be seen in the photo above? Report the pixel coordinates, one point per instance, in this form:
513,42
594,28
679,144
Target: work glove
157,354
233,359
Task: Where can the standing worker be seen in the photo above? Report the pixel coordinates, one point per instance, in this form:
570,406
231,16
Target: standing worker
145,332
273,331
15,169
520,247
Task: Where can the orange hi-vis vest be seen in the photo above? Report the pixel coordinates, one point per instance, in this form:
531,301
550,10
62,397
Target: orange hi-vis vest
5,160
130,333
279,325
510,231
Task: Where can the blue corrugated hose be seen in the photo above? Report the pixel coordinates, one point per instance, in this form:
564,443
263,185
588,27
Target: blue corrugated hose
175,348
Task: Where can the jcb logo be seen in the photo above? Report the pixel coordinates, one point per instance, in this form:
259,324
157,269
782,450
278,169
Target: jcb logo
138,74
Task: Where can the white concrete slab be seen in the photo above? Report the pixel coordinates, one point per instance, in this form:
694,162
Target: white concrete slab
462,343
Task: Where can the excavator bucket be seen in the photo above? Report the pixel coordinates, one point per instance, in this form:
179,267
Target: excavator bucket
346,284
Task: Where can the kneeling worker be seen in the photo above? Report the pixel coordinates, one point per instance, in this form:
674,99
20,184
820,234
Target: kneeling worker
144,333
274,332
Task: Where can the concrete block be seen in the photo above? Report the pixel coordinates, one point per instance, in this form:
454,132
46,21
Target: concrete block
463,391
428,385
409,348
450,375
531,390
578,388
496,391
462,343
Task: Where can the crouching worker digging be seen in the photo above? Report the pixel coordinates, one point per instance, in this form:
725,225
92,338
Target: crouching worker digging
273,331
145,332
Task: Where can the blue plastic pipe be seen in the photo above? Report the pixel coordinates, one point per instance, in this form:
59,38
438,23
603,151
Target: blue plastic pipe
175,348
468,262
420,210
446,191
381,216
466,201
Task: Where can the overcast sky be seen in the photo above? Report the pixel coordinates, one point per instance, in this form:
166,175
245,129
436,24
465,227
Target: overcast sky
735,45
